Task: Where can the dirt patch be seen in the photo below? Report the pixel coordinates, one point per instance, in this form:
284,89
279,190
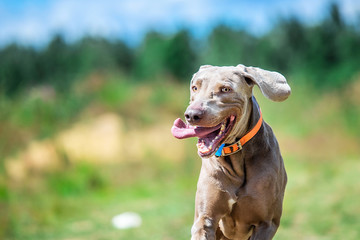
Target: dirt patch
99,140
102,140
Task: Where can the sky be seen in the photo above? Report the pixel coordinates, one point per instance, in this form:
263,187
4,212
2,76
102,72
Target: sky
34,22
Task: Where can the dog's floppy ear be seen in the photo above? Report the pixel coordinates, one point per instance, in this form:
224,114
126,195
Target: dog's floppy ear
272,84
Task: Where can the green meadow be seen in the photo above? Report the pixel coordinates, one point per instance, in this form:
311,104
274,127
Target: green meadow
78,198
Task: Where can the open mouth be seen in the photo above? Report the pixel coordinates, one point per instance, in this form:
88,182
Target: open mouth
208,144
210,138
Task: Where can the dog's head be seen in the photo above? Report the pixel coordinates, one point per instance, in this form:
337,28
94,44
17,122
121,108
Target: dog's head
220,103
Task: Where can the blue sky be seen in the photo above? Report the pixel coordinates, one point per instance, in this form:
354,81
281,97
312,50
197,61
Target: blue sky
34,22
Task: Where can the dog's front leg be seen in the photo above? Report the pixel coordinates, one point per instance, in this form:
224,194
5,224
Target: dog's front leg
204,228
211,205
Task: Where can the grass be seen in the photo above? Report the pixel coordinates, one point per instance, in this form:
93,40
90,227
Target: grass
321,202
76,207
78,200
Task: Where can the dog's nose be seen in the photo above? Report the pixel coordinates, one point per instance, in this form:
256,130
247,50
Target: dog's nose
194,115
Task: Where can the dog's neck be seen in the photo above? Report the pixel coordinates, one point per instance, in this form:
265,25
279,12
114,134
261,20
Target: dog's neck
248,119
254,115
234,163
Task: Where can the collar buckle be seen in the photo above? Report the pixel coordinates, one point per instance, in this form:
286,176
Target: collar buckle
231,149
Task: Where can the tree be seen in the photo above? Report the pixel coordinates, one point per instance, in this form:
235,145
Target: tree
17,68
179,57
149,57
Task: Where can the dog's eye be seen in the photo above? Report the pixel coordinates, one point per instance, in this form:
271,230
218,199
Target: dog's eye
225,89
194,88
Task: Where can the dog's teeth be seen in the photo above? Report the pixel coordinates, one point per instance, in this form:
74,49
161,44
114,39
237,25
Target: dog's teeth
210,147
222,127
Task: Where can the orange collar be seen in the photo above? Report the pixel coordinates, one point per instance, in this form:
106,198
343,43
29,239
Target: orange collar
237,146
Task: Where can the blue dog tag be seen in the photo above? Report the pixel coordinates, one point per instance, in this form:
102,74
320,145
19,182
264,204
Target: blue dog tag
219,151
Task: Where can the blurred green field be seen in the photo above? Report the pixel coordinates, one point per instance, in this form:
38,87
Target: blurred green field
155,175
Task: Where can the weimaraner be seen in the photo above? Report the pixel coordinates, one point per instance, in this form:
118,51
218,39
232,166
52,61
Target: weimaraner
242,181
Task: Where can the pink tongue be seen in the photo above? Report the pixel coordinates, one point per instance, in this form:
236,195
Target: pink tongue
181,130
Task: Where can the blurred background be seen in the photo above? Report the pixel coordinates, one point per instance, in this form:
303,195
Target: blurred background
89,91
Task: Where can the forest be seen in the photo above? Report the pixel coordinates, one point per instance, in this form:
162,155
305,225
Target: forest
325,55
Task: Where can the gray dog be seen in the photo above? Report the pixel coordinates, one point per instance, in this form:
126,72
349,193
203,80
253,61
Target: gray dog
242,180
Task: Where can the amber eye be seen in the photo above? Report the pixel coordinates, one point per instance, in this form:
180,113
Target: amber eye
225,89
194,88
